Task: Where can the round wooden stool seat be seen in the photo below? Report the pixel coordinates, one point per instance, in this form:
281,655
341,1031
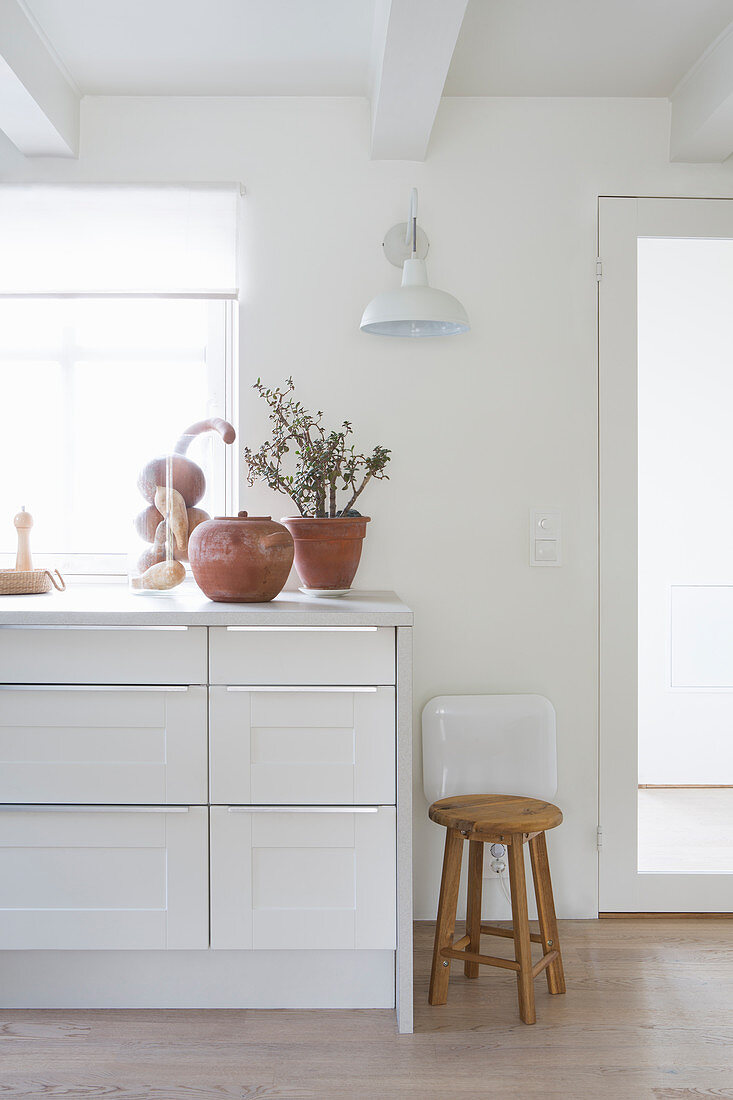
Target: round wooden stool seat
495,815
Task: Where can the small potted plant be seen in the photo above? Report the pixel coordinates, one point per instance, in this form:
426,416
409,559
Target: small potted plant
314,466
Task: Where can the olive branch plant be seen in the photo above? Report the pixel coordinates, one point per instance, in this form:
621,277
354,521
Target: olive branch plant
324,463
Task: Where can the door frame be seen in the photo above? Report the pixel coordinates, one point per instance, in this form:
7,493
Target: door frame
618,222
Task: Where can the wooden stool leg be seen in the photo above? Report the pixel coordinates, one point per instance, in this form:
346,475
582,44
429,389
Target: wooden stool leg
520,924
546,911
473,908
445,927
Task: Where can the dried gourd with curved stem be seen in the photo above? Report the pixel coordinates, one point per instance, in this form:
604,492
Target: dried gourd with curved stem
214,424
160,564
187,476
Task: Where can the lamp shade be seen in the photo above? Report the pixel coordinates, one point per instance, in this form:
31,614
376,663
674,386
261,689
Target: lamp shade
415,308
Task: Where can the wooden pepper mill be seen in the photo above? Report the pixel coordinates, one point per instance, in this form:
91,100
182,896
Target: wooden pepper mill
23,523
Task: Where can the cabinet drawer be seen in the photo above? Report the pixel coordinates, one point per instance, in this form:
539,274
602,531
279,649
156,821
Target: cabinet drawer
124,877
306,746
302,655
96,745
303,878
102,655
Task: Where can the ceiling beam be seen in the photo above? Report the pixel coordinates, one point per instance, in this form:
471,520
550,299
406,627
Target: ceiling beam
702,106
412,49
39,104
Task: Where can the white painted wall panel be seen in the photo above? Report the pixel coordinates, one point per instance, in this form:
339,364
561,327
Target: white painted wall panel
701,648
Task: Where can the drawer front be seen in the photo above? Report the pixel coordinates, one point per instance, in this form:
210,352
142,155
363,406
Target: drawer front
303,879
302,655
312,747
87,745
126,877
96,655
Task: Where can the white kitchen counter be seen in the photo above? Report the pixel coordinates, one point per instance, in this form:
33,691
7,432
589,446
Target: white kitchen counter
168,767
116,605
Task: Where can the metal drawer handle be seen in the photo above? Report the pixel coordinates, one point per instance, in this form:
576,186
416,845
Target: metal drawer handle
303,809
92,687
291,629
252,687
8,807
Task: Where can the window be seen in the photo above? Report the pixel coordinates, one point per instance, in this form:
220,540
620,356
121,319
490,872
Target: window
108,351
93,389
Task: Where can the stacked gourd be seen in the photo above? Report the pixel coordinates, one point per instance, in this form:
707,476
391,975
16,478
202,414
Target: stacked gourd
172,485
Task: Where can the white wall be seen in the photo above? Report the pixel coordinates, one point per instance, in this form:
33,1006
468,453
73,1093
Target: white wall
685,508
483,427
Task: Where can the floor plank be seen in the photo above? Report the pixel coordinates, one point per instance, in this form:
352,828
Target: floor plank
646,1017
675,827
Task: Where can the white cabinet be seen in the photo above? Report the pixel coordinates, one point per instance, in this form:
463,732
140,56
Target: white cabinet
102,655
302,655
304,878
165,789
102,745
113,877
302,746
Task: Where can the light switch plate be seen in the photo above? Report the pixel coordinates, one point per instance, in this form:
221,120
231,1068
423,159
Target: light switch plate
545,537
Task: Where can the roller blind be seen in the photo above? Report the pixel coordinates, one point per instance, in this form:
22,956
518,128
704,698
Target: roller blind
114,239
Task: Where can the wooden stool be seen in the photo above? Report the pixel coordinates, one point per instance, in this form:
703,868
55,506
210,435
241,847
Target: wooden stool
496,819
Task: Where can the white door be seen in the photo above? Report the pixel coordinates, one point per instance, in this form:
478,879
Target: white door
118,745
666,555
317,746
103,878
303,878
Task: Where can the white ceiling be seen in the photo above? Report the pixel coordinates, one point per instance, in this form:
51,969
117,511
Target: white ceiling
322,47
211,47
581,47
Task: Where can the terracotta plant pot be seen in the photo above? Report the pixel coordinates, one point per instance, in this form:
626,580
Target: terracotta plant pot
327,551
240,559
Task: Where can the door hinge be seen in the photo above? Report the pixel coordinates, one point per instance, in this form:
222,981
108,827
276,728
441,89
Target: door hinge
599,838
599,269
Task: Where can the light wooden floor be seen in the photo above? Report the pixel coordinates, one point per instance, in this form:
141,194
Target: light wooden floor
686,830
648,1014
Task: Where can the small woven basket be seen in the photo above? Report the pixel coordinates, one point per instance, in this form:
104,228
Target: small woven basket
29,582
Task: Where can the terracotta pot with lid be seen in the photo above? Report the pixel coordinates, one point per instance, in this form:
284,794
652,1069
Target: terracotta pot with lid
240,559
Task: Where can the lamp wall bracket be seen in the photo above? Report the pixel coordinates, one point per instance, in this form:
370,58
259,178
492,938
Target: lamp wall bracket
396,248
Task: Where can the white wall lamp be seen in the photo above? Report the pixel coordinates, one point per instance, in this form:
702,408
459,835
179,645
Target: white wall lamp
415,308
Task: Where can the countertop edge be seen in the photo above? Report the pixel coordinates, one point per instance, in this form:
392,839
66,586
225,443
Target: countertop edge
112,605
204,618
